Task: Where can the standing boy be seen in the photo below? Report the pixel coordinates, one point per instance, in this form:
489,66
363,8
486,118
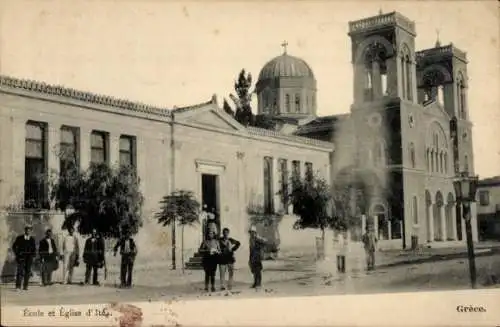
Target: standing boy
342,251
49,257
128,251
226,260
24,249
257,244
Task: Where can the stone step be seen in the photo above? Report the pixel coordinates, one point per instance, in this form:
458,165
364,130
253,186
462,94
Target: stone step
194,262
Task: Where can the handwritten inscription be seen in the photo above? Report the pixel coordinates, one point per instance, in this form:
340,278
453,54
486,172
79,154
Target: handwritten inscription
67,312
470,308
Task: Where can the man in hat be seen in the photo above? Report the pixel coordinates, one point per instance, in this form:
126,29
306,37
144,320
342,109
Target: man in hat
24,249
49,257
128,251
257,244
93,256
370,244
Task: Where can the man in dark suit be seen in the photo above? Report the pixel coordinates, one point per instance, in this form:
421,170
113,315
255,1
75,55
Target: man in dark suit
93,257
49,257
128,251
24,249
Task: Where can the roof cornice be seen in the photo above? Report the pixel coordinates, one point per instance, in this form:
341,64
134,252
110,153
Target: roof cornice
83,96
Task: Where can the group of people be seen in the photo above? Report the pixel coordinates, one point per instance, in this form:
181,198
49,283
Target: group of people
219,252
25,251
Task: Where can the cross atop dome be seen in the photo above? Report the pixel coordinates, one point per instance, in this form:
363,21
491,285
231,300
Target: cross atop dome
438,42
284,45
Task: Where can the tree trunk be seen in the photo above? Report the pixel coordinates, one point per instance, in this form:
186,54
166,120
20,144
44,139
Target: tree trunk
182,248
173,245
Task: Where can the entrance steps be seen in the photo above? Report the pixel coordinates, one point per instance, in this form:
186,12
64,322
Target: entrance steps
194,263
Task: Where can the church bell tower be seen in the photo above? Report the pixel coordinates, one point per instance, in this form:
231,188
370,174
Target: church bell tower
383,52
442,76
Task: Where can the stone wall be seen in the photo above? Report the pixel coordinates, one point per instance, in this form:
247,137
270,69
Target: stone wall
12,224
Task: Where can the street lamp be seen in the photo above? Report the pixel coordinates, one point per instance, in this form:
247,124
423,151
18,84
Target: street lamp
465,191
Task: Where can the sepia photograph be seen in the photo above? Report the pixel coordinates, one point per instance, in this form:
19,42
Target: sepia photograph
229,150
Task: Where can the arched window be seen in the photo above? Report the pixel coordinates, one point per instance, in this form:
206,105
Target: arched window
441,163
403,75
415,210
461,101
428,159
408,77
297,103
440,95
287,102
432,160
411,150
466,163
445,163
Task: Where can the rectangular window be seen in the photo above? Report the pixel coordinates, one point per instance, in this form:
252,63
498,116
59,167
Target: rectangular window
309,170
68,152
284,183
35,166
98,147
484,198
127,151
268,185
297,103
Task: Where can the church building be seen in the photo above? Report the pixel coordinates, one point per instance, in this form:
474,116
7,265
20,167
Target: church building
407,134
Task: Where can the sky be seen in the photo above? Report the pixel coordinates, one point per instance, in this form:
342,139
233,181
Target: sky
170,53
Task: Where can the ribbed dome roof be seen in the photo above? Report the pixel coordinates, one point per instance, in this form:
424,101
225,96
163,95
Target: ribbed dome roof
285,66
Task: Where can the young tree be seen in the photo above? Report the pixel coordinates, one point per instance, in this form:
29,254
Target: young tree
311,199
242,101
179,207
105,198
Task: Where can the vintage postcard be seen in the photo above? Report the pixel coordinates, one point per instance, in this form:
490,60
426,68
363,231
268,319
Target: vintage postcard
249,163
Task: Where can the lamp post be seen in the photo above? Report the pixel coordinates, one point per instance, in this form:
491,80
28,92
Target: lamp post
465,191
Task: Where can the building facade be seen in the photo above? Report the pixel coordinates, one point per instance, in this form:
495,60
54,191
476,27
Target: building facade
408,132
488,208
199,148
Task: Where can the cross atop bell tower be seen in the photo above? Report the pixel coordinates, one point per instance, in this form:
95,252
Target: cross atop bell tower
284,45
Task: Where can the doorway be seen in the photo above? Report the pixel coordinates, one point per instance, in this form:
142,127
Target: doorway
210,195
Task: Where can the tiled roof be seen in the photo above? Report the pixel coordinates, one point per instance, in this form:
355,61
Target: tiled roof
292,138
322,123
57,90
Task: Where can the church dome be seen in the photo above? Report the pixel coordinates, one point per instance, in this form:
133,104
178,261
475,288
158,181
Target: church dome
285,66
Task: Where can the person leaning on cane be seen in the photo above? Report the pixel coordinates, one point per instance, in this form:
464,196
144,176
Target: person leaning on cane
71,254
24,249
128,251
